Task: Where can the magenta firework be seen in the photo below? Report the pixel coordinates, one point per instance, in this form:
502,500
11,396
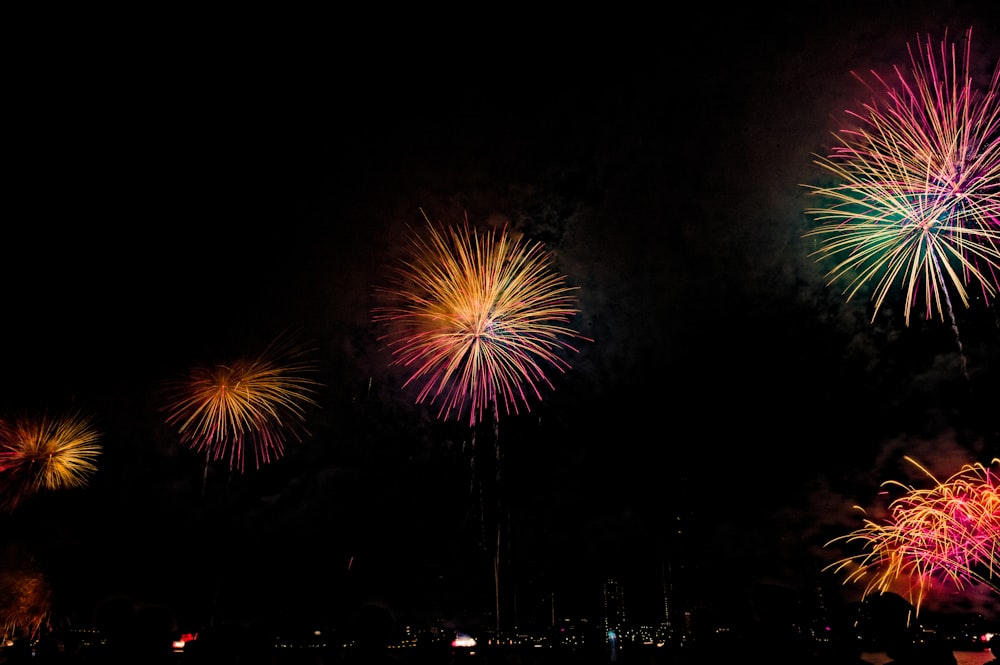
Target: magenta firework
477,319
914,196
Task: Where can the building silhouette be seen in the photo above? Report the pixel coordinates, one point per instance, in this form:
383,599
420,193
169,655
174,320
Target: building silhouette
614,607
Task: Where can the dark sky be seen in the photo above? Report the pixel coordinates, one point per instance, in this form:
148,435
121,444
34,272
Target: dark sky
182,189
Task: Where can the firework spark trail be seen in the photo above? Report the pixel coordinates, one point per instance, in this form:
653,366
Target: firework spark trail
250,407
45,453
478,319
916,193
948,535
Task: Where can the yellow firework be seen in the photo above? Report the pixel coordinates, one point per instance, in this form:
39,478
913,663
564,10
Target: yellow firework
45,453
249,407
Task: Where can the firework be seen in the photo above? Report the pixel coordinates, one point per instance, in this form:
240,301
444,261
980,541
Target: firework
477,319
915,202
45,453
249,407
948,535
25,595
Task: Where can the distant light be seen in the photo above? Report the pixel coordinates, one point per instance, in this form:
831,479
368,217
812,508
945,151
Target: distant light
463,640
184,639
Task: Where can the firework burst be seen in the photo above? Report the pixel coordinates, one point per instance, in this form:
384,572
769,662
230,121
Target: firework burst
25,595
916,199
477,319
250,407
946,536
45,453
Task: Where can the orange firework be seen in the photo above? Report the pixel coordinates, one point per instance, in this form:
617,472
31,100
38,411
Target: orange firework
946,535
477,319
45,453
25,595
251,406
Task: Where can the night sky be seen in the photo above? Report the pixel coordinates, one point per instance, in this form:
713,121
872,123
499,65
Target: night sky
181,190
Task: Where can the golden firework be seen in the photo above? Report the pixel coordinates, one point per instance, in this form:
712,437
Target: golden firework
249,407
477,319
45,453
25,595
948,534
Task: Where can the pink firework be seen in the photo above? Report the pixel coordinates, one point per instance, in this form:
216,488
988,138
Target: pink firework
477,319
945,536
